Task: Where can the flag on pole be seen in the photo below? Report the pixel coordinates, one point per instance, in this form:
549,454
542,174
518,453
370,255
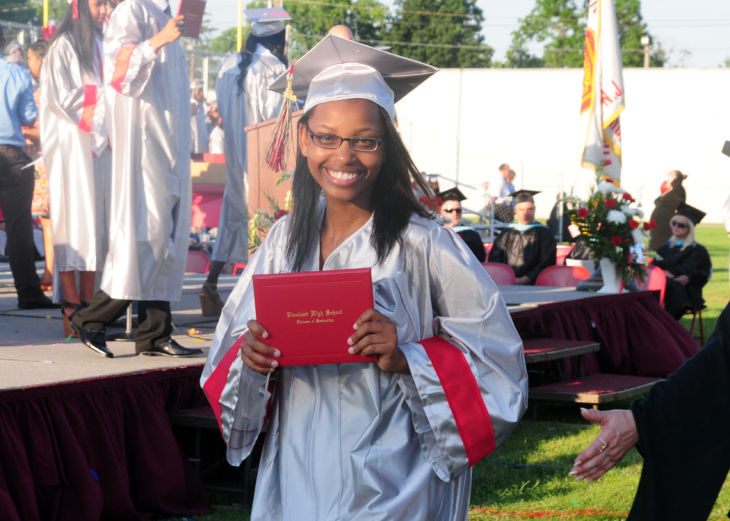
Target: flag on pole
603,91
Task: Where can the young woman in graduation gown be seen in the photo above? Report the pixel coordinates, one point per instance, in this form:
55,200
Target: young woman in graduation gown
76,152
244,99
386,440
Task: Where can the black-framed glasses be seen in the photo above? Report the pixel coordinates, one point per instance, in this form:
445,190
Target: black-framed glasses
680,224
452,210
332,141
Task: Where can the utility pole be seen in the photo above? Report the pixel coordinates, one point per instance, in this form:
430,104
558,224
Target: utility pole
645,42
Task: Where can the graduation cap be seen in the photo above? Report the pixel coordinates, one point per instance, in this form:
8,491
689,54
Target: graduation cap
452,194
266,21
337,69
524,196
690,212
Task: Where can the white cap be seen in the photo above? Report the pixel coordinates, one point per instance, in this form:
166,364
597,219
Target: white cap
337,69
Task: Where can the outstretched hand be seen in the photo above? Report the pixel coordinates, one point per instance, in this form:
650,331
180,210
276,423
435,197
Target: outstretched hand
618,434
376,335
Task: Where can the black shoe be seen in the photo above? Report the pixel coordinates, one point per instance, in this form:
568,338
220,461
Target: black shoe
171,348
39,302
94,339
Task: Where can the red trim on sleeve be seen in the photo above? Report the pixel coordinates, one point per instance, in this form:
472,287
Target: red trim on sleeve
121,65
213,387
464,398
87,114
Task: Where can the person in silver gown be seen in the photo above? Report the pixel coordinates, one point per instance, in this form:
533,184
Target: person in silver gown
198,125
148,99
243,100
385,440
75,150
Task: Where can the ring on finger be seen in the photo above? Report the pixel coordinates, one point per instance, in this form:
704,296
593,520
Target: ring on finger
604,445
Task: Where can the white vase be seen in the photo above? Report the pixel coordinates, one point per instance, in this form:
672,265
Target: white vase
611,276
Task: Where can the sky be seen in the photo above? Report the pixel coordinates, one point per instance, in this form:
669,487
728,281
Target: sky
693,34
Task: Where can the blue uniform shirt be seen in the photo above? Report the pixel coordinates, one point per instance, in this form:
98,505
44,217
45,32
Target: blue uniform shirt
17,106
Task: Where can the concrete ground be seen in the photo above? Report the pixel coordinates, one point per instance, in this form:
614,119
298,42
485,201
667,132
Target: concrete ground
34,351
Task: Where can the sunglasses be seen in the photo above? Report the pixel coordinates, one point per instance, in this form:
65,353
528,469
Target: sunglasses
680,225
452,210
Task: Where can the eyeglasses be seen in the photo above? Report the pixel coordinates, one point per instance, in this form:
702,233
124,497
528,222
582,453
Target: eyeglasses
452,210
680,225
332,141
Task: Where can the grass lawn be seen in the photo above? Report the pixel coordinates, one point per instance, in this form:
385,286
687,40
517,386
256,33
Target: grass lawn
527,477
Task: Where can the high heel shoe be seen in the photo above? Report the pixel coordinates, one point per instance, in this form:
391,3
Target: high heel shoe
210,301
67,331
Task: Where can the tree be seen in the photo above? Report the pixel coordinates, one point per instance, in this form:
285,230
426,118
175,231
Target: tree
311,21
560,25
444,33
17,11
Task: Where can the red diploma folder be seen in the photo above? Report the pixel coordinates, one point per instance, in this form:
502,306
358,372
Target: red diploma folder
193,10
309,315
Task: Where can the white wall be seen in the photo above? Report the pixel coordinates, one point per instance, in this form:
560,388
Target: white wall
464,123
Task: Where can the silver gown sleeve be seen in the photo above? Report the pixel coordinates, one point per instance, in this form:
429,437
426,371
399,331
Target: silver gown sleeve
128,56
465,308
240,398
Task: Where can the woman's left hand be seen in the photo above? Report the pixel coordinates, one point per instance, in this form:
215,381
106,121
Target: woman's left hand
376,335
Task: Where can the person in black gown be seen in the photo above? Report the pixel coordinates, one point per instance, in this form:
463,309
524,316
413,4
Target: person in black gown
685,262
451,212
682,431
527,246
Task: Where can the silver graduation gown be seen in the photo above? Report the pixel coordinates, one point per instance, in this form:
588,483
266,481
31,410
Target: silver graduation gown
255,104
350,441
148,97
198,126
77,158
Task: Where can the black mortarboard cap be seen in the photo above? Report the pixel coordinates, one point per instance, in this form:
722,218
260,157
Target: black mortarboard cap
522,196
690,212
452,194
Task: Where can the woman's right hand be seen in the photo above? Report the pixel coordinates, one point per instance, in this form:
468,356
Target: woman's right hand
256,354
171,32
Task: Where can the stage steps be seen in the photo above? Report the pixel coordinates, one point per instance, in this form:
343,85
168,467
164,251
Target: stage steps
200,420
594,389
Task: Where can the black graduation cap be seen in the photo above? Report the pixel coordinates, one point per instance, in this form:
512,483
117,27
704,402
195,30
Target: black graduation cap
524,196
452,194
690,212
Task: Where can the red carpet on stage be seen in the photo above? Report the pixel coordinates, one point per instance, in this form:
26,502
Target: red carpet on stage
98,449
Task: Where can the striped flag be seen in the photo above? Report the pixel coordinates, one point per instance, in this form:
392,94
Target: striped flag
603,91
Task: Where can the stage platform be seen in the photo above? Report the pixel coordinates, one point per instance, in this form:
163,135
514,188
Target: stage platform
88,437
33,350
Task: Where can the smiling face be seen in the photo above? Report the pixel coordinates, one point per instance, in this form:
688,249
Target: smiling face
345,175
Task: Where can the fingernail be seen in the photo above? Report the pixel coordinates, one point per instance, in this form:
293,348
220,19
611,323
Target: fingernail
354,326
265,334
277,353
350,341
274,363
572,472
351,350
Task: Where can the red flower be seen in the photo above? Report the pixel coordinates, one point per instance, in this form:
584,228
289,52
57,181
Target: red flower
653,223
633,224
278,214
582,213
616,240
610,203
628,197
647,227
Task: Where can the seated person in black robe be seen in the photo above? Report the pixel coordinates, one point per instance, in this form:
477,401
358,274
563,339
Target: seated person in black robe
527,246
685,262
682,430
451,211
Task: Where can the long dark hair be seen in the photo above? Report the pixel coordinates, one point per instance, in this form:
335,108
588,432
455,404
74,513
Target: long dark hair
393,201
273,42
83,34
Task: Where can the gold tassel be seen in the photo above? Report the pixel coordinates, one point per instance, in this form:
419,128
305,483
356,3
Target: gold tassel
276,149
